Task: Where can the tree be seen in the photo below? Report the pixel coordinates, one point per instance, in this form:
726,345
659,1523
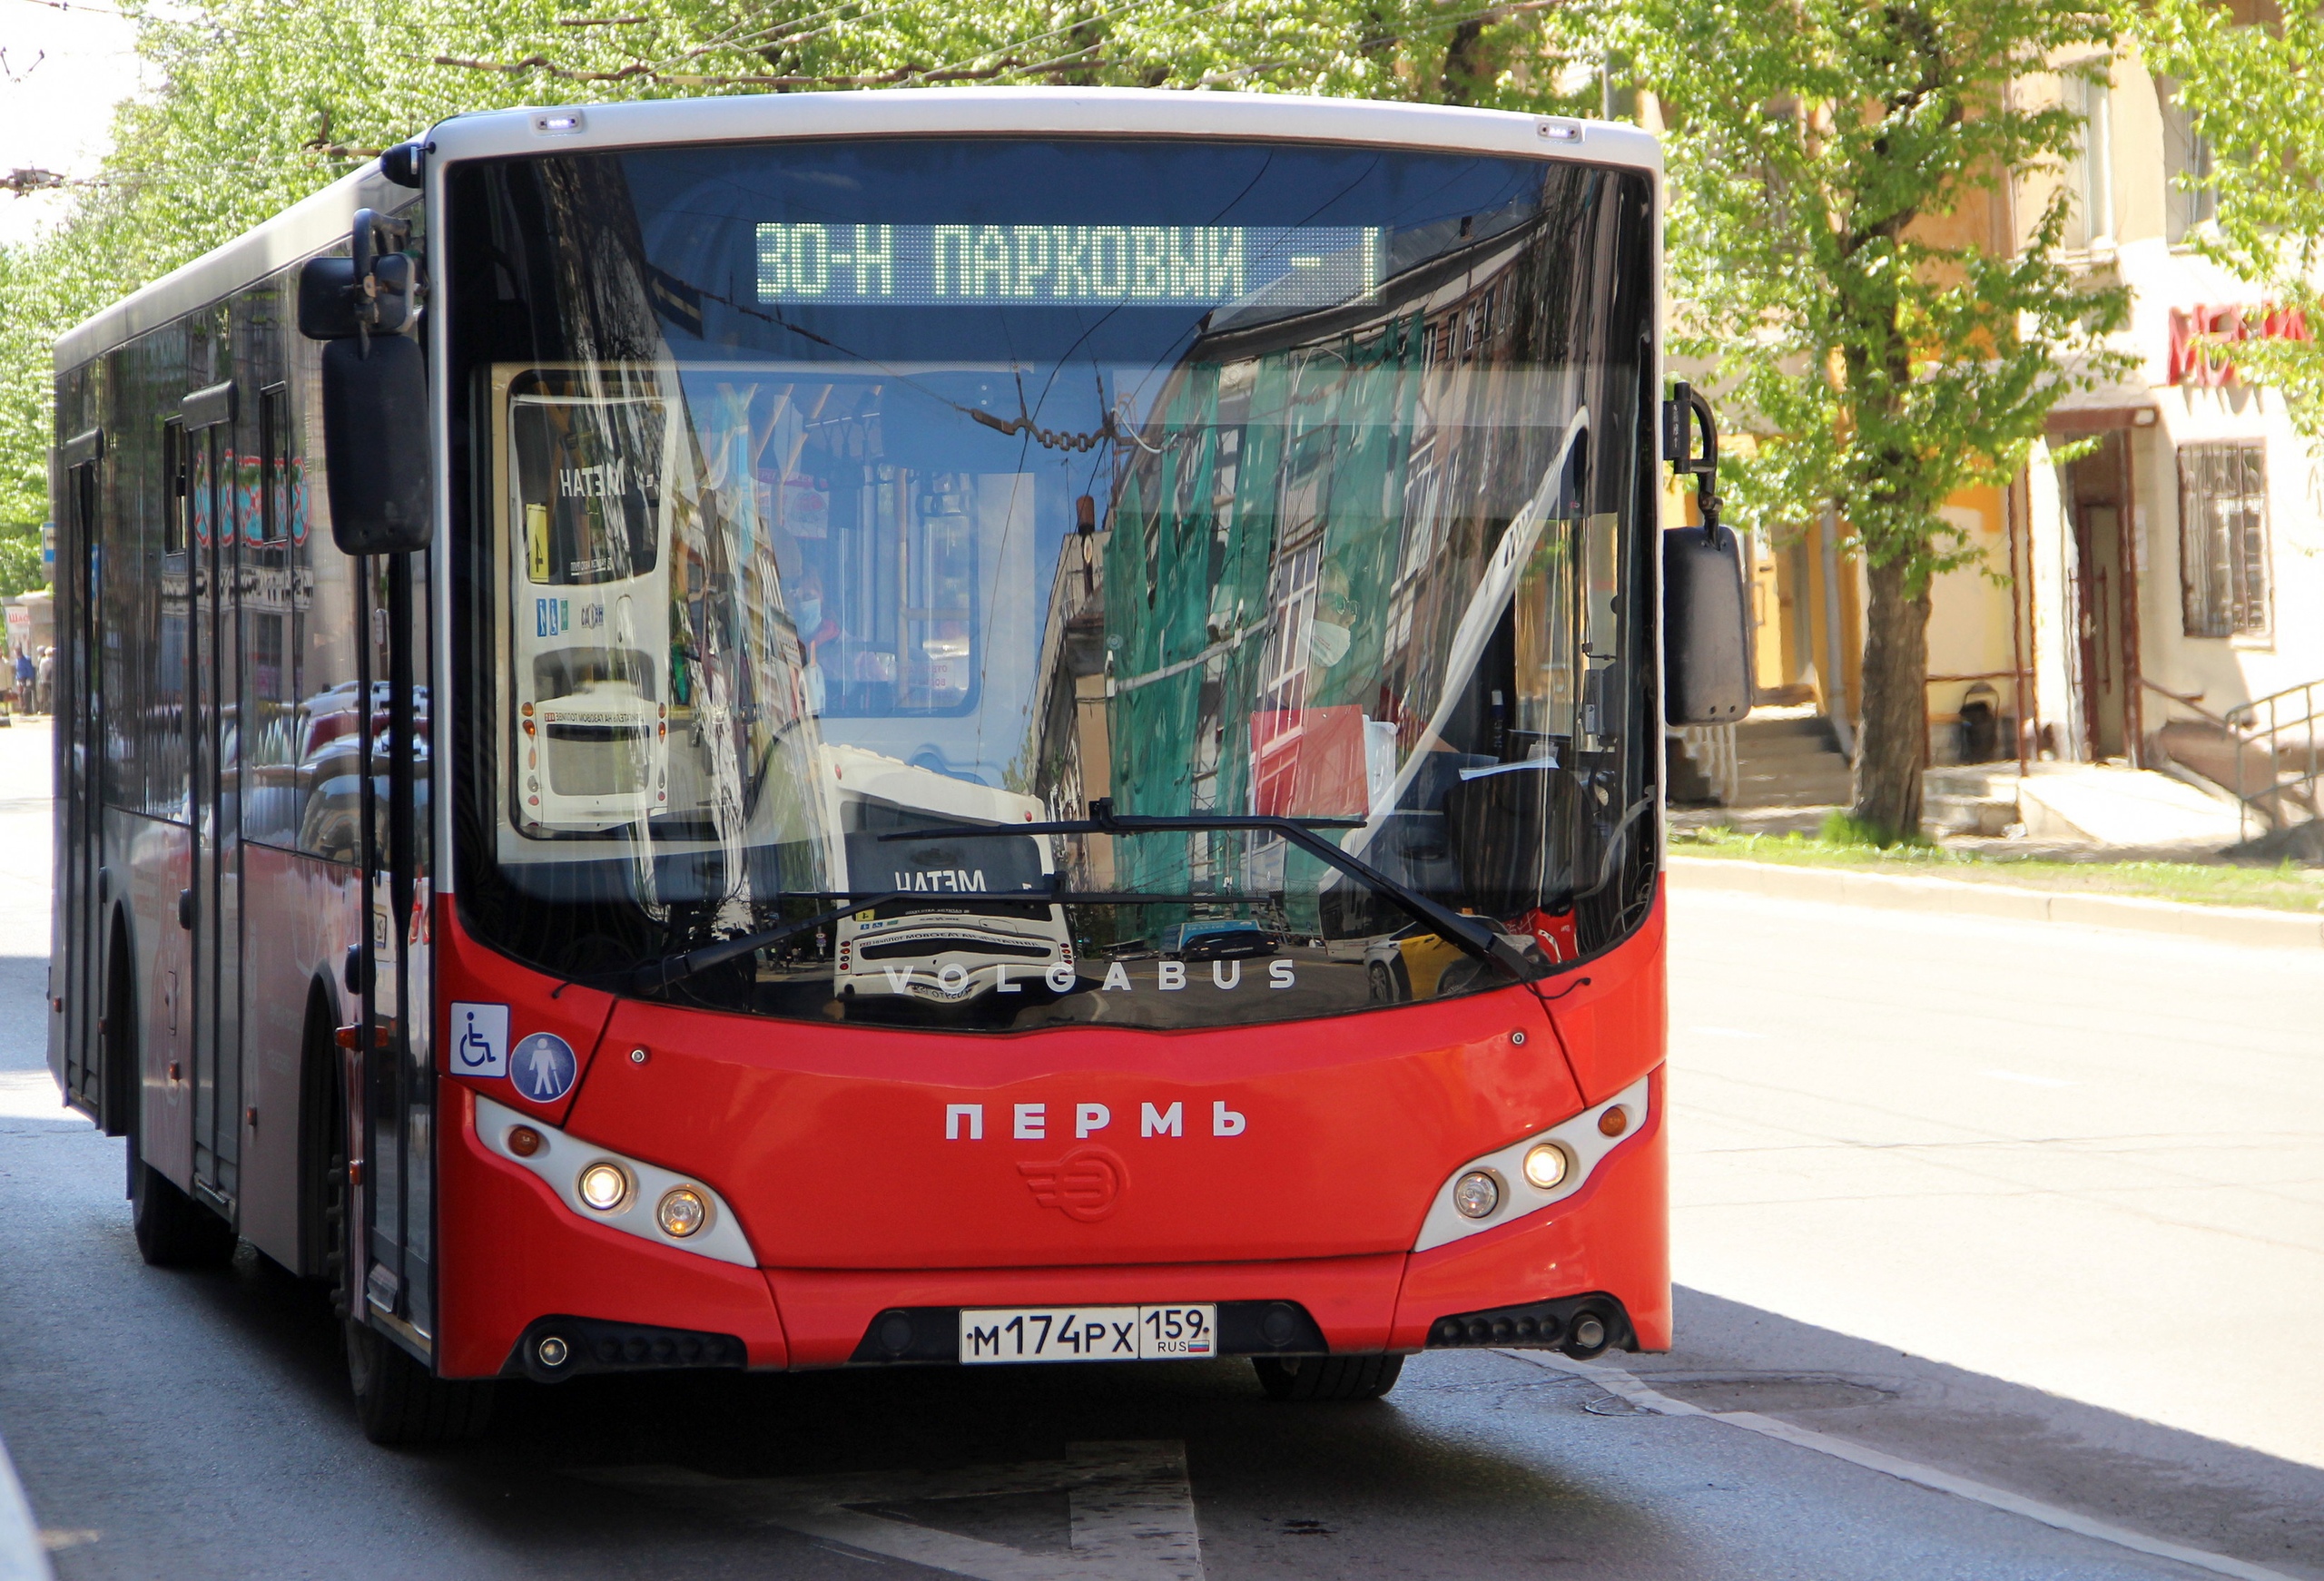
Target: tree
264,101
2256,95
1823,153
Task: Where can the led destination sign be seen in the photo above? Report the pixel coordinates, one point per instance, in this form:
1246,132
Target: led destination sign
1291,267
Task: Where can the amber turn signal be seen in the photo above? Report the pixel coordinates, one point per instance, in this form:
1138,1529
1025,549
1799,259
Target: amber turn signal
524,1141
1614,1121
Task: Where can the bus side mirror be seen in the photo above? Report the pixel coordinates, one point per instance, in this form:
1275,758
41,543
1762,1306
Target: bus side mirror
1705,623
375,387
1705,629
375,444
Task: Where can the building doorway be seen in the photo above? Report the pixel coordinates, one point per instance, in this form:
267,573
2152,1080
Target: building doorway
2103,513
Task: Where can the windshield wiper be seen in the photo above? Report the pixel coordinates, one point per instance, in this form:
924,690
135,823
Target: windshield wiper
679,965
1473,934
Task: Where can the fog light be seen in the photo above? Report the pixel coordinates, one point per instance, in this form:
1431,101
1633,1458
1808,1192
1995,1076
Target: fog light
1614,1121
524,1141
605,1186
1545,1166
682,1211
552,1350
1476,1194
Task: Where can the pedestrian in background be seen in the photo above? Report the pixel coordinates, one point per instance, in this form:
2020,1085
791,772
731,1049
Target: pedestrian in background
24,681
44,682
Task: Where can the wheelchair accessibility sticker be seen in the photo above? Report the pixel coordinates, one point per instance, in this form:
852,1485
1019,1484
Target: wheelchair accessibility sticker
545,1067
479,1040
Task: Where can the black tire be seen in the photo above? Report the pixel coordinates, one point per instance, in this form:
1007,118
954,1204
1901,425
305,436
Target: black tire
1328,1377
173,1231
401,1404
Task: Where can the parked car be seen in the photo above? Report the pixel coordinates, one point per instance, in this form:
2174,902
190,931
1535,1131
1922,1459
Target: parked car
1207,938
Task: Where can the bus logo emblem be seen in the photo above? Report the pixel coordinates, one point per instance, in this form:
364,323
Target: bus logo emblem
545,1067
1085,1185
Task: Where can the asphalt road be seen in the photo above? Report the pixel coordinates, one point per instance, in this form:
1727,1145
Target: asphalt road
1911,1369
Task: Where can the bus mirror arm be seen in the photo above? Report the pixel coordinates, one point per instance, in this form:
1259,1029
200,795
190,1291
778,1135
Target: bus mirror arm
1705,622
1517,958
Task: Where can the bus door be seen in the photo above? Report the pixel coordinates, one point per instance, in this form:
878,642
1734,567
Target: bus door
212,906
397,1073
78,1060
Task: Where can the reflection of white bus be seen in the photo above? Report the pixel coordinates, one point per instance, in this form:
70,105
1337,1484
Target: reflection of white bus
590,634
959,937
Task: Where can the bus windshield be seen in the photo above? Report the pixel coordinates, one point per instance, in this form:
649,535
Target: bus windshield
831,507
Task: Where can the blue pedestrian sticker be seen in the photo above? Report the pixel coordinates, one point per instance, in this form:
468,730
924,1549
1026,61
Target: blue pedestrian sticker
545,1067
479,1039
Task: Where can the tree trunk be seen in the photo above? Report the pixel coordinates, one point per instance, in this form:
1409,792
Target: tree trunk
1895,728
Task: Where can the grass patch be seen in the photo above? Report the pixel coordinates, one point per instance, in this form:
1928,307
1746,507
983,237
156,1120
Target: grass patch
2287,888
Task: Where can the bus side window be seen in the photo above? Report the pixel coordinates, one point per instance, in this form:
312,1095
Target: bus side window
273,607
330,716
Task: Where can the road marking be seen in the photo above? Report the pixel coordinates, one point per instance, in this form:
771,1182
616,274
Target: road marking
22,1557
1627,1386
2012,1075
1132,1508
1725,1032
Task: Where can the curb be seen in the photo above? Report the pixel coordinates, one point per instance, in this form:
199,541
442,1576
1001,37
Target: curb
22,1558
1899,892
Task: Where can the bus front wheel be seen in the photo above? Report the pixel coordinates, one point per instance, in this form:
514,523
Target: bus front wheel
400,1402
1328,1377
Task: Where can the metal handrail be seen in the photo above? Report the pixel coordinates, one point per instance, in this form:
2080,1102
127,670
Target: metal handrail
2266,725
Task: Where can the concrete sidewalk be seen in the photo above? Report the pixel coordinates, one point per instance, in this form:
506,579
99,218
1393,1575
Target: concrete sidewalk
1905,892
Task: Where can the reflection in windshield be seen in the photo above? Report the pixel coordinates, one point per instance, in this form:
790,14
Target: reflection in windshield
767,597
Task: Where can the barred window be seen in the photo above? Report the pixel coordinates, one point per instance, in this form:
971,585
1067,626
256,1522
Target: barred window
2223,538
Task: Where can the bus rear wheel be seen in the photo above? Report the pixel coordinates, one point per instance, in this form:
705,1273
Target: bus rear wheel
401,1403
1328,1377
173,1231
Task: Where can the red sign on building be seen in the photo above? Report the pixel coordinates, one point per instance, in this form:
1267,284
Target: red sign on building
2198,336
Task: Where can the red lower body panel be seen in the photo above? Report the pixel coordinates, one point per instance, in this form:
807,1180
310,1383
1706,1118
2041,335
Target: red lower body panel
1613,1235
521,1254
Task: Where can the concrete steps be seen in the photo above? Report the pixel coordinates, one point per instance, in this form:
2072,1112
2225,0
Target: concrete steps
1790,759
1969,798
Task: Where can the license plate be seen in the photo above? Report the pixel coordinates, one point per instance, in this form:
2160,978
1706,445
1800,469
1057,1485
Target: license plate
1087,1333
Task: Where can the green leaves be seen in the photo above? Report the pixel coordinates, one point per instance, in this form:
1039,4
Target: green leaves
2256,94
264,101
1837,168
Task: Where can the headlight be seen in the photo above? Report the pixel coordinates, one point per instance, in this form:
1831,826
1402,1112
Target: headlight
1477,1194
603,1187
1545,1166
682,1211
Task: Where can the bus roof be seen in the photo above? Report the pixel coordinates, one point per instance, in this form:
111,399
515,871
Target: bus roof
318,222
308,227
1039,112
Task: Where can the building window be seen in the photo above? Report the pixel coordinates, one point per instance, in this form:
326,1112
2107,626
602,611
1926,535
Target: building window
2223,538
2186,161
2090,171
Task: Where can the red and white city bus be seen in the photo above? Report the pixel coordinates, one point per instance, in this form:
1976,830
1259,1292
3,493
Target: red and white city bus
821,731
